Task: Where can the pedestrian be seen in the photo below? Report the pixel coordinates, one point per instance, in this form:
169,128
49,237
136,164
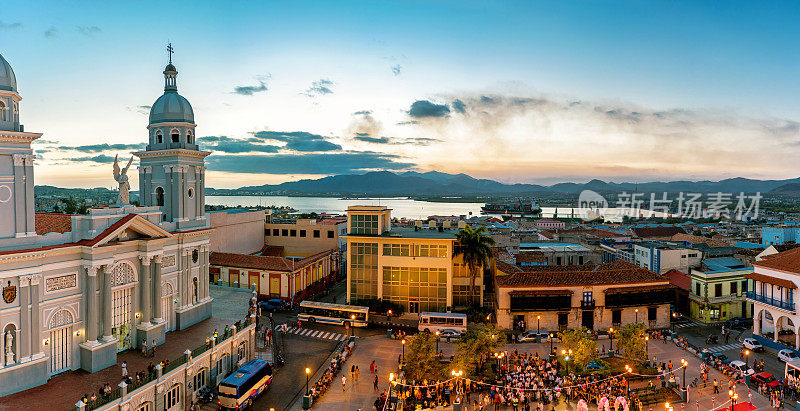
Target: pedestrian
727,337
375,383
153,348
357,373
344,382
669,365
353,372
372,367
124,369
716,386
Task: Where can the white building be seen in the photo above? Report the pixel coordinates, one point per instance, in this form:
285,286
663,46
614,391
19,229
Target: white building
775,280
122,275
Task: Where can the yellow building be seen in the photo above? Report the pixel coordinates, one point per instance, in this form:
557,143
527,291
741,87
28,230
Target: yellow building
305,236
410,266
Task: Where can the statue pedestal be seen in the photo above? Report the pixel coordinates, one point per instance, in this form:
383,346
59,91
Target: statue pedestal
10,358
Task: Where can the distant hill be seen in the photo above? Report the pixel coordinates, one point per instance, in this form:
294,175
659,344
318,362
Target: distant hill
435,183
786,190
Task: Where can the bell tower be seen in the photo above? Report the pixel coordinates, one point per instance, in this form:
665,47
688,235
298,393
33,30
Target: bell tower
172,168
17,209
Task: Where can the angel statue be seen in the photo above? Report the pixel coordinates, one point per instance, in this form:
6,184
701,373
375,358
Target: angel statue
122,179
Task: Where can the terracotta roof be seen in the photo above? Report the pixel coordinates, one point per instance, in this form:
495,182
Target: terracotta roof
785,247
595,232
270,250
750,251
696,239
331,221
657,287
53,223
547,234
645,232
785,261
618,272
679,279
534,293
771,280
531,257
260,262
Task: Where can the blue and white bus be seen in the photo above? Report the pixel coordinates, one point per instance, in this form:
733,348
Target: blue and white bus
240,389
314,311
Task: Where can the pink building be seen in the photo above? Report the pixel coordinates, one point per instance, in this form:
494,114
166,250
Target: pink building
547,223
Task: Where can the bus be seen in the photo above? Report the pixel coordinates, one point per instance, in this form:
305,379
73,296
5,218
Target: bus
432,322
240,389
314,311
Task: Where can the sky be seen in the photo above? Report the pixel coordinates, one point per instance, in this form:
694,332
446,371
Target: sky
517,91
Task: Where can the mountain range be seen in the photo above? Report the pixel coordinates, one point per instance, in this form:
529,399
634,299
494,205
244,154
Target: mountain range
435,183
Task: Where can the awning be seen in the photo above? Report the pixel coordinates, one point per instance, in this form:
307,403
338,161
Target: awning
658,287
780,282
539,293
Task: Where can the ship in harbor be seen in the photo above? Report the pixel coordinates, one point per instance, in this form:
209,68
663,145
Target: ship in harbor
512,208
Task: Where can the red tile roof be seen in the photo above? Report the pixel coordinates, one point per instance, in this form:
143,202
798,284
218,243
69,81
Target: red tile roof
547,234
645,232
771,280
260,262
531,257
270,250
618,272
596,232
53,223
331,221
785,261
679,279
696,239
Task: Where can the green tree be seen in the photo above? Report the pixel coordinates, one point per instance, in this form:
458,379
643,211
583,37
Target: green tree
421,361
474,347
475,249
631,340
584,348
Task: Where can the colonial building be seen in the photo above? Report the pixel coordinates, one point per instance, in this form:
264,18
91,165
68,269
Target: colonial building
717,290
597,297
119,275
410,266
774,297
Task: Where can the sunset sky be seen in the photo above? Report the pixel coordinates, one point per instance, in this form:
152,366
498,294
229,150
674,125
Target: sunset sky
525,91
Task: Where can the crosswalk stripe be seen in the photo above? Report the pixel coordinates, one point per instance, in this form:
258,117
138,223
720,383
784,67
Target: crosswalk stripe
317,334
325,337
305,332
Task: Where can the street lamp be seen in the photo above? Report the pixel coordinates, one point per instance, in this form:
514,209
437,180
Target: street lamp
437,342
611,339
734,396
404,349
628,370
389,317
352,320
551,343
538,317
637,315
646,346
685,364
746,356
308,375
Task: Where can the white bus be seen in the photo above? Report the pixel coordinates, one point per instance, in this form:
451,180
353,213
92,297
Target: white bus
432,322
314,311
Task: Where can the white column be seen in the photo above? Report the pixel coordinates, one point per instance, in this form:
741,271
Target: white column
108,275
24,344
36,331
158,316
147,290
92,320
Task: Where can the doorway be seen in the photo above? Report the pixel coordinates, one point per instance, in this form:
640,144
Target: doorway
587,319
413,307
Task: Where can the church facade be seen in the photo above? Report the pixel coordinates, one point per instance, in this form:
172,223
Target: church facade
122,275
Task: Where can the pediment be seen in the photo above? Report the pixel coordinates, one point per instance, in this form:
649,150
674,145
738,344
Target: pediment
130,227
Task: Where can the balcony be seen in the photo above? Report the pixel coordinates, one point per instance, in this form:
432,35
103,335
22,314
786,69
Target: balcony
786,305
587,304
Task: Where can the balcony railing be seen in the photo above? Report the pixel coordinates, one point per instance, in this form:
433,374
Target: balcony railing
587,304
786,305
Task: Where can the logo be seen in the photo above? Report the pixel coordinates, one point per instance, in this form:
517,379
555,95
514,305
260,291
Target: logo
9,293
591,205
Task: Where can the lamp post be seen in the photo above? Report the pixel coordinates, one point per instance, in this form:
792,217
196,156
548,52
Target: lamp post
611,339
734,396
403,342
352,321
566,354
685,365
636,311
646,346
437,342
538,317
389,317
308,375
551,343
746,357
628,370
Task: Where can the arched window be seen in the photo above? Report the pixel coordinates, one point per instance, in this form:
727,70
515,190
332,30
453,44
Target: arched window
159,196
159,137
194,289
2,111
189,137
176,135
15,114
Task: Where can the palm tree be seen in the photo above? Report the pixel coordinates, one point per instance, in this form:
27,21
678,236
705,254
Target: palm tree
475,249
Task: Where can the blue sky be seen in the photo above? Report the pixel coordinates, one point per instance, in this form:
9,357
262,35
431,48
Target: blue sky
551,91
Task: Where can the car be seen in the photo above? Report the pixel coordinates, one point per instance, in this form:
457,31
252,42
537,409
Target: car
765,379
741,368
721,357
528,336
787,355
739,322
448,334
752,344
273,304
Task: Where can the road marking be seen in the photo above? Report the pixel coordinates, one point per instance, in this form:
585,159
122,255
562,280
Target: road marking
723,348
325,337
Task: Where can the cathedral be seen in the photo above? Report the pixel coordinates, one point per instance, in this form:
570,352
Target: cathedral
118,276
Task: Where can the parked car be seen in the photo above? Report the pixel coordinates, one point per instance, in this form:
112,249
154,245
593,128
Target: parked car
752,344
765,379
528,336
787,355
741,368
449,334
721,357
739,322
273,304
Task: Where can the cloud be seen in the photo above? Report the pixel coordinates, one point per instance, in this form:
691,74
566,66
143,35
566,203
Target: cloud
10,26
322,163
396,69
424,108
97,148
376,140
42,141
250,90
102,158
226,144
299,140
141,109
364,124
319,88
420,141
89,31
51,33
459,106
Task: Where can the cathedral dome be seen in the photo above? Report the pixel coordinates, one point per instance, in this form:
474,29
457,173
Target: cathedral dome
8,81
171,108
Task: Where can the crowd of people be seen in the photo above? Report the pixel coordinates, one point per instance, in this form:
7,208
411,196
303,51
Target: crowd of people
329,376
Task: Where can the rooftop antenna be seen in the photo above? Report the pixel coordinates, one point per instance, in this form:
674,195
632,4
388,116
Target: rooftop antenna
170,50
